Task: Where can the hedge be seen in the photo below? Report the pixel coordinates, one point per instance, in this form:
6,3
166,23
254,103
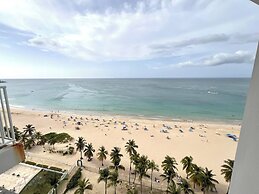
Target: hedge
30,163
42,165
73,182
55,168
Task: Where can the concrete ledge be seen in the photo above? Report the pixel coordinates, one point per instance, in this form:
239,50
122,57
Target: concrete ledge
256,1
10,156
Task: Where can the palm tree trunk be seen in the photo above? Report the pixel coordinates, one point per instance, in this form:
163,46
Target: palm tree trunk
141,185
102,162
135,175
105,188
129,172
54,191
81,156
228,187
115,188
167,186
151,177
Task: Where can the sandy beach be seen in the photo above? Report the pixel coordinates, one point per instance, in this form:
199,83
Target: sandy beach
206,142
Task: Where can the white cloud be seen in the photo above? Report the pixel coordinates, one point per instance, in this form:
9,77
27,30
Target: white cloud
121,30
168,48
245,38
194,41
221,59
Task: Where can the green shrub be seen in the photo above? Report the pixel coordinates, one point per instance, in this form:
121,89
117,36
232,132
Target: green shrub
50,135
42,165
30,163
58,137
63,138
55,168
73,182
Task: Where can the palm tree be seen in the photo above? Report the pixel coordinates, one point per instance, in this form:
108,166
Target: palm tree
17,133
196,174
187,164
83,185
169,163
28,134
38,137
89,151
135,160
29,129
227,170
131,149
173,189
114,180
80,145
116,159
28,143
152,166
24,138
101,155
104,174
142,168
169,168
168,175
42,140
207,181
185,187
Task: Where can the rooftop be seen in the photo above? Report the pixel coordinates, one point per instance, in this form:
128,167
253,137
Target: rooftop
17,177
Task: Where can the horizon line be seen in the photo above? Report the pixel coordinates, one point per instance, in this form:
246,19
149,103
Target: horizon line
128,78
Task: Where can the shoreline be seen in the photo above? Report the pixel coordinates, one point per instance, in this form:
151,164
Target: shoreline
132,116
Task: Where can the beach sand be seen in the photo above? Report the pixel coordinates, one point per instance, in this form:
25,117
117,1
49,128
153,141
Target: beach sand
207,143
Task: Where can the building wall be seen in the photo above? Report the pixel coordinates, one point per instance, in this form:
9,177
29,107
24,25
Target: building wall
245,178
10,156
256,1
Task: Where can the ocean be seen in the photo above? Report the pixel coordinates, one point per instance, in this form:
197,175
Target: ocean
188,99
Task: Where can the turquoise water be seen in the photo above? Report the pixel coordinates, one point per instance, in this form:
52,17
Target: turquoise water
196,99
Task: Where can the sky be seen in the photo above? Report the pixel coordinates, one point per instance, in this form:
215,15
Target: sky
127,38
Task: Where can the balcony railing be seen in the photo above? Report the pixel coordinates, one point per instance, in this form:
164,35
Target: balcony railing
7,135
11,152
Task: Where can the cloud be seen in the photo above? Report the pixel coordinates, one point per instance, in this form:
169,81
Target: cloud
127,29
194,41
220,59
168,48
245,38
